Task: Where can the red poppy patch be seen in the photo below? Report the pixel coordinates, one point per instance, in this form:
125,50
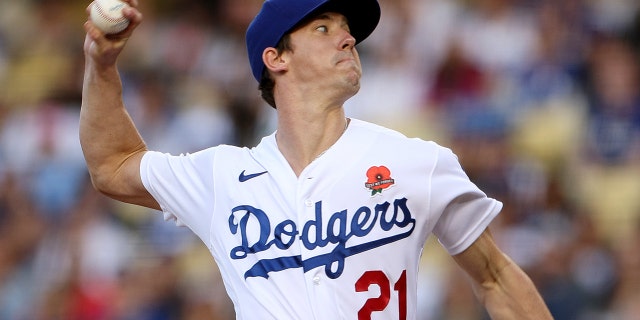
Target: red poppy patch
378,179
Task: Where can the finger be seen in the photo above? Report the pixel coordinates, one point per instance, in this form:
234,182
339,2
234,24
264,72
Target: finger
92,31
132,3
96,35
134,16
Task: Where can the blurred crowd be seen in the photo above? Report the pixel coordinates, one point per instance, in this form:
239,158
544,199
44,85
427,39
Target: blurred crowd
540,99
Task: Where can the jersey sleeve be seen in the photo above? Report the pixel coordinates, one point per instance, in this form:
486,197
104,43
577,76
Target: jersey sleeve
183,186
464,210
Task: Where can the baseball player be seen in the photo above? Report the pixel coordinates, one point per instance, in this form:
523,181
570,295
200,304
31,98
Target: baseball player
327,217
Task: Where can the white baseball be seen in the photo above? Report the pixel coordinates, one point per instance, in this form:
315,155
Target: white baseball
107,16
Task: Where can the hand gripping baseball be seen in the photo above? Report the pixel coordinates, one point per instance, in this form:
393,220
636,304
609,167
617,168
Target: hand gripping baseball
103,48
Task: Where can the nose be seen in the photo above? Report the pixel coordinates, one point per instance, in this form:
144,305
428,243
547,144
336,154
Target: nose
348,42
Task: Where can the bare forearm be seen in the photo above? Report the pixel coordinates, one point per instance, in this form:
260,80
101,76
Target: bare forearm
512,296
112,146
107,134
503,288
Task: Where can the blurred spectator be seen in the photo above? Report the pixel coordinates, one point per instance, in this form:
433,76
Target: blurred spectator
21,230
609,172
614,100
498,35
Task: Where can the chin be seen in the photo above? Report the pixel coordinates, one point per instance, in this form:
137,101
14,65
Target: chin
355,83
355,87
354,79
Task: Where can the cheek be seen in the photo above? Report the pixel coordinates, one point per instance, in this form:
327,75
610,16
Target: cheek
358,63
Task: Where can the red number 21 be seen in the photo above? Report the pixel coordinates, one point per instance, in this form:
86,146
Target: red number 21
379,303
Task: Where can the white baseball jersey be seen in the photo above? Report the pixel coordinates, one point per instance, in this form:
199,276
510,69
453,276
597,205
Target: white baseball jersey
341,241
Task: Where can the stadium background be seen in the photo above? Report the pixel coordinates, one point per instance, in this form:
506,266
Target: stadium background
539,98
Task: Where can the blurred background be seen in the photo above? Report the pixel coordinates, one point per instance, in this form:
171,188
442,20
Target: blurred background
539,98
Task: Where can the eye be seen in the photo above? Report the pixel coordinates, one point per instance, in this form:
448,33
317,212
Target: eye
322,28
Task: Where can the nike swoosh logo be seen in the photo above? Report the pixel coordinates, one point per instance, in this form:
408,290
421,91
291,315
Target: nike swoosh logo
243,177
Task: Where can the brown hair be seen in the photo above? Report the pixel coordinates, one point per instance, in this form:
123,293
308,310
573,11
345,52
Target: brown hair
266,82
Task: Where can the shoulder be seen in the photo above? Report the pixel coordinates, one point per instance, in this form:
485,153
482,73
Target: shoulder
209,153
203,160
393,138
375,128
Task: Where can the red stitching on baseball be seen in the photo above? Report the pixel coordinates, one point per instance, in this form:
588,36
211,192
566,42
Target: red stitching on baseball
103,14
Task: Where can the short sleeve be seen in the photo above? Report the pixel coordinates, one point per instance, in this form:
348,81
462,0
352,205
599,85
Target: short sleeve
183,186
463,210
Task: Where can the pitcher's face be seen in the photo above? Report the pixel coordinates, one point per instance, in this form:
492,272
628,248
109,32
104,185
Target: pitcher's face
323,53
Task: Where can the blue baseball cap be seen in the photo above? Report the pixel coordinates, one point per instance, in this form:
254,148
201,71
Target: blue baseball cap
277,17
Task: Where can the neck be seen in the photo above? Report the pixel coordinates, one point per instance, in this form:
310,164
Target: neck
303,141
311,119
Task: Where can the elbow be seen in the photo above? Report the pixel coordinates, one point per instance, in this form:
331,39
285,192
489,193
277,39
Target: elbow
109,179
116,177
101,183
109,186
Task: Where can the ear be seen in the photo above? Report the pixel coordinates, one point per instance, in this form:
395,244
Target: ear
273,61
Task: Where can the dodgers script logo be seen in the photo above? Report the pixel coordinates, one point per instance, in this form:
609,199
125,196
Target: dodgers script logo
394,219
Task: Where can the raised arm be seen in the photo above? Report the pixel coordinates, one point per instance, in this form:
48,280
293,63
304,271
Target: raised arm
110,142
502,287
